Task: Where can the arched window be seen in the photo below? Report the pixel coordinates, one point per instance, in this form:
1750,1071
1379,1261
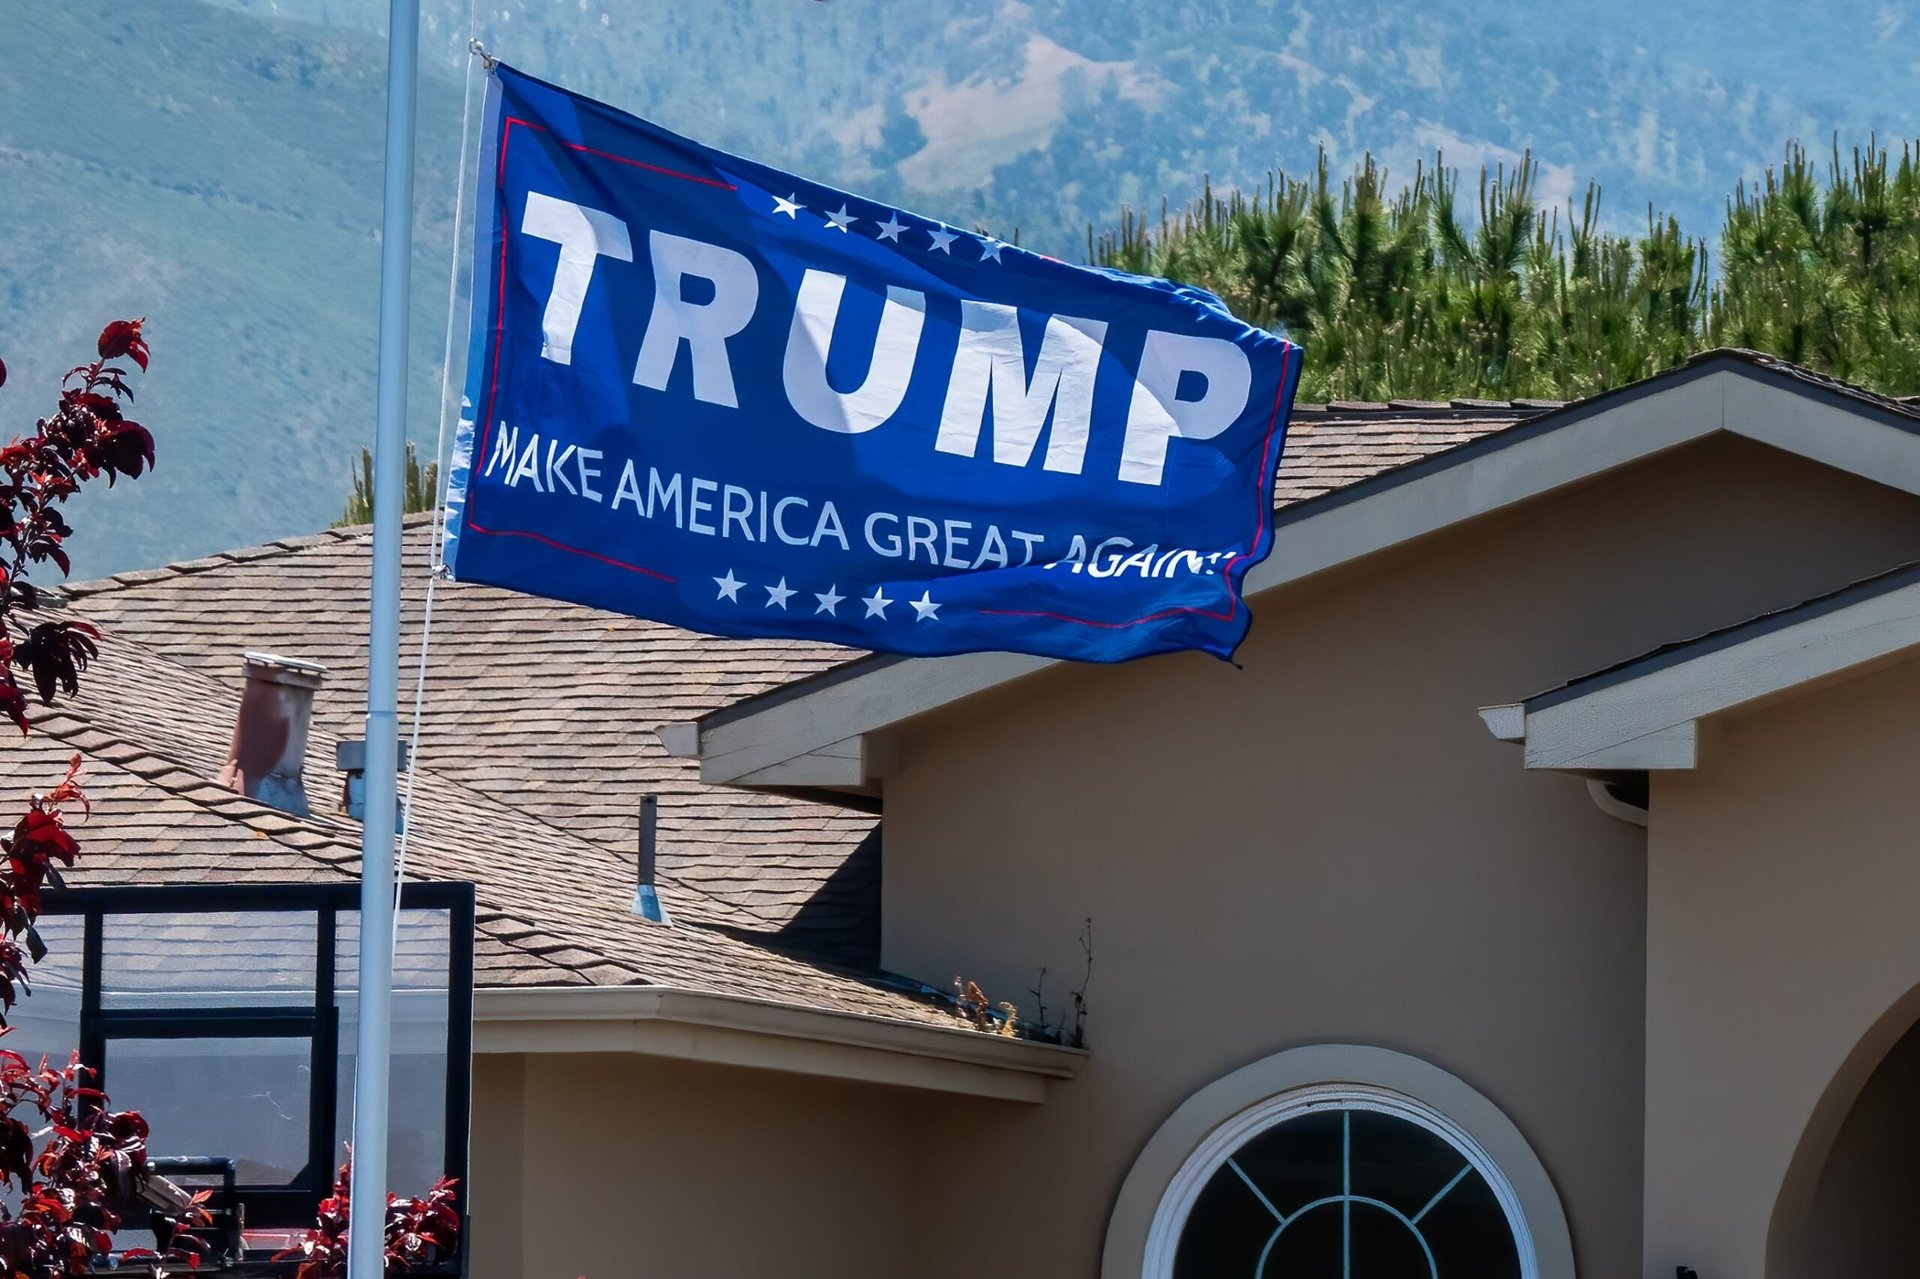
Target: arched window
1398,1171
1345,1181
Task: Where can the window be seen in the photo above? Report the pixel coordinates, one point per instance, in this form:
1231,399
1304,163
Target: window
1347,1182
1337,1160
226,1014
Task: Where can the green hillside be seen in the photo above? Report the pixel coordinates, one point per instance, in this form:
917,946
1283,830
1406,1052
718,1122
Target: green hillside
219,175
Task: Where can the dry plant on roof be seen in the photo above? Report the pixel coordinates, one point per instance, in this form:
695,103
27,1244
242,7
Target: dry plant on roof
971,1005
72,1169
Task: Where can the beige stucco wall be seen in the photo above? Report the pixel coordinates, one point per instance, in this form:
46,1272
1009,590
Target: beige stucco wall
611,1166
1327,846
1783,963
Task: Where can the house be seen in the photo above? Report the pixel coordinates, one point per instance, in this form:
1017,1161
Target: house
1531,898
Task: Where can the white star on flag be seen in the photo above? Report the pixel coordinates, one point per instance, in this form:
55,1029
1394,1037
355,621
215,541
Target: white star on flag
892,227
942,238
990,249
924,609
842,220
729,587
830,601
876,603
790,206
778,595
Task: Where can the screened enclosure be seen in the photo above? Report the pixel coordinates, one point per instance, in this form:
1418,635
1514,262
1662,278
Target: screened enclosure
227,1014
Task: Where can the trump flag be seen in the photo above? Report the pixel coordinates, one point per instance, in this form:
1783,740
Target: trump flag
707,392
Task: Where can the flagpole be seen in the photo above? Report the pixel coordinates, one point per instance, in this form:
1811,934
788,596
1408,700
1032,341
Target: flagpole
366,1251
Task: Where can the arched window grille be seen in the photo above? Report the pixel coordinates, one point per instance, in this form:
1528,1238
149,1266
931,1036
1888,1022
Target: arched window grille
1341,1182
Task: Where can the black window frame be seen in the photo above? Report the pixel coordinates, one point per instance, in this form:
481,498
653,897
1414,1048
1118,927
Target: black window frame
282,1208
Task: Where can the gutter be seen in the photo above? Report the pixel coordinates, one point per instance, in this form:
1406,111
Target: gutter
732,1030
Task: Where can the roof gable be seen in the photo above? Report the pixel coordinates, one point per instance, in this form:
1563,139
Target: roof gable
806,733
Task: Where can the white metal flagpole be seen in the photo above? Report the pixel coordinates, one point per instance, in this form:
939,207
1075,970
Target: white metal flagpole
366,1251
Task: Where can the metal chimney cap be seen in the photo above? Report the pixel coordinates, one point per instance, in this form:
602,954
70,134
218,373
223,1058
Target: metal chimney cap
283,670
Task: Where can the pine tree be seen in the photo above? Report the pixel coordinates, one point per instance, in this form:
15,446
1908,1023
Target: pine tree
422,492
1417,293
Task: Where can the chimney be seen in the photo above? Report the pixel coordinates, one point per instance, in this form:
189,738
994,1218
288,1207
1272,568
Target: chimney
270,735
646,899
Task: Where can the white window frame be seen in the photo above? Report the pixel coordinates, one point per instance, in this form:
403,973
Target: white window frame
1170,1222
1197,1139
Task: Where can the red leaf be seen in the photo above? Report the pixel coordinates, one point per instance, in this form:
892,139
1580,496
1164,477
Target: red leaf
13,703
125,448
122,337
57,653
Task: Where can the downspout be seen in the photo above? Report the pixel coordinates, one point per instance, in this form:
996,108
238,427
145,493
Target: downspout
1604,799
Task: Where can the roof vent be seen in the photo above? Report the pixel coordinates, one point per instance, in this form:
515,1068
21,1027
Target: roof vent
350,757
270,734
646,898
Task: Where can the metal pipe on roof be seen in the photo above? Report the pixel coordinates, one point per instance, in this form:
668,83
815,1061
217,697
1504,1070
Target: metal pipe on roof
646,897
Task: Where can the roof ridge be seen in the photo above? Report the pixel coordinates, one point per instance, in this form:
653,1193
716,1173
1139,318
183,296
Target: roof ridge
1452,407
279,548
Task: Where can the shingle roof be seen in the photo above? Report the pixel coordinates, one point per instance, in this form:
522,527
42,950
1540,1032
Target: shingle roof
537,748
546,707
1330,446
153,732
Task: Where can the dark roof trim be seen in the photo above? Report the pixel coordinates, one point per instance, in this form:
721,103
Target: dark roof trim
1681,651
1749,364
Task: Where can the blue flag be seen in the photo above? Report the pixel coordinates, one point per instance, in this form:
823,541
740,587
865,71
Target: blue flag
707,392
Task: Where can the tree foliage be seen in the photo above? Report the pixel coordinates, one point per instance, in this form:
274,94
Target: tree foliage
1423,292
71,1169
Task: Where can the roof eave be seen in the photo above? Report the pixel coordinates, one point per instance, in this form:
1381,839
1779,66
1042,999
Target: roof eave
1651,714
681,1024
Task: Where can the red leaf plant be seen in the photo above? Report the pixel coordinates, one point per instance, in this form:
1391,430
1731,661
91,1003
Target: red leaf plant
80,1186
73,1168
89,435
420,1232
74,1191
79,1168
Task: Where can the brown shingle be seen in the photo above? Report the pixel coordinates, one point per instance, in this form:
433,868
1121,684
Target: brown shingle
546,914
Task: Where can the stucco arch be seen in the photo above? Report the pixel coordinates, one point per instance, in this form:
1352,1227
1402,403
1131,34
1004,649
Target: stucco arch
1794,1203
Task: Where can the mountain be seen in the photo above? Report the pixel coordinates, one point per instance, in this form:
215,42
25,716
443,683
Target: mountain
218,168
220,175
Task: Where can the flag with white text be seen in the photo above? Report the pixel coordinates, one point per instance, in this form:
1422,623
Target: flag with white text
709,393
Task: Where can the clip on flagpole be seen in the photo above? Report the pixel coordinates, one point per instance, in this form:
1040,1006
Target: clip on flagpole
366,1240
